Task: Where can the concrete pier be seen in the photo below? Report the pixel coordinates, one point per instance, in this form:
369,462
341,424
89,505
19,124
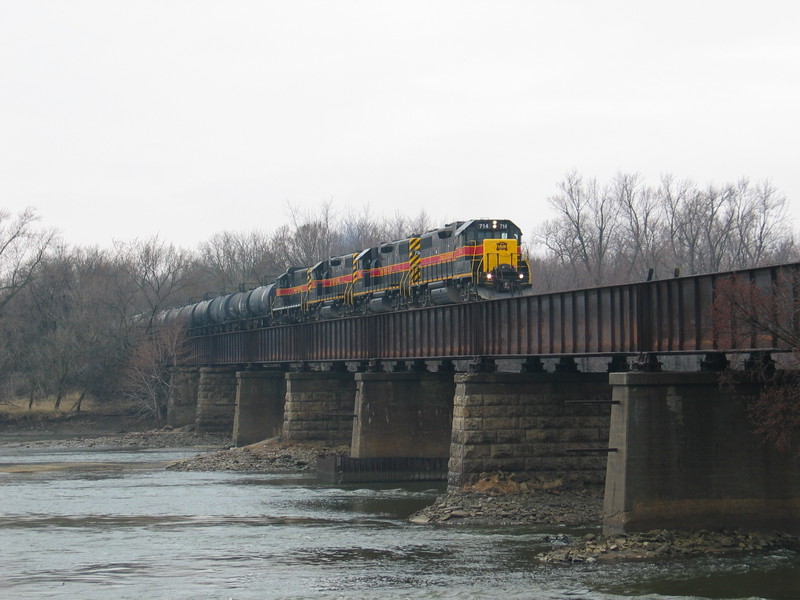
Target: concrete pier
522,423
260,398
405,414
687,458
216,399
319,407
182,405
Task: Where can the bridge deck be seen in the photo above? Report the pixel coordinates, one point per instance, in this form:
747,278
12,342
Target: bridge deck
666,316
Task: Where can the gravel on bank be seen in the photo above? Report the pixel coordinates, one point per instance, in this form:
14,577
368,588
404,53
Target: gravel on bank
499,499
659,544
268,456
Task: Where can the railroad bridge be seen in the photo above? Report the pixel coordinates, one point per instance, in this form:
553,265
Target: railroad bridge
641,387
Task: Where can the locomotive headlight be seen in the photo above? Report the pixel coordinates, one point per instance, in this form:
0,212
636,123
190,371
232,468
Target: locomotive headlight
522,275
494,224
489,276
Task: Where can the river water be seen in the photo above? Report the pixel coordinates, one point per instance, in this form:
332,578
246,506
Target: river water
106,524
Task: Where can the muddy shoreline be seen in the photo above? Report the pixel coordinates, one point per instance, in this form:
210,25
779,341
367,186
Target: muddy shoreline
108,432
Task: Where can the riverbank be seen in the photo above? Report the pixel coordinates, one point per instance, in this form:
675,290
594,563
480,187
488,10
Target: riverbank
498,499
129,440
106,425
70,424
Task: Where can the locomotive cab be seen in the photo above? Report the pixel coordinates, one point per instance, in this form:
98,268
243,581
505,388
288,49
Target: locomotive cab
290,295
493,246
328,282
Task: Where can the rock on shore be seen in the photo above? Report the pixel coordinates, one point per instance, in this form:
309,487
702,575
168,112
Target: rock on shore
663,544
499,499
268,456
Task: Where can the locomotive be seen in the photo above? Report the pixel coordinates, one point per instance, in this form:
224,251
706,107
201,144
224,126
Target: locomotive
463,261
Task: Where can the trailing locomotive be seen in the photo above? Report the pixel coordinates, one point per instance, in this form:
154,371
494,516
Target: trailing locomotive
460,262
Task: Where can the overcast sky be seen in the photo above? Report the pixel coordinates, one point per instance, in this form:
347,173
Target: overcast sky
120,120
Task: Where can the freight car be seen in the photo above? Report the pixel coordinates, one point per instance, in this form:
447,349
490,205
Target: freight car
463,261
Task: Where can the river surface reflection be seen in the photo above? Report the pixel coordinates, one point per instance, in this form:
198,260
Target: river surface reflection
103,524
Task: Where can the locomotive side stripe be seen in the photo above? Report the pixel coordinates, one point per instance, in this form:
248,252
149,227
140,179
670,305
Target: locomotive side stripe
298,290
293,290
468,251
438,259
336,280
414,262
387,270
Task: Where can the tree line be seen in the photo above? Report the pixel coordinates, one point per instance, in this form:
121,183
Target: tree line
617,232
78,321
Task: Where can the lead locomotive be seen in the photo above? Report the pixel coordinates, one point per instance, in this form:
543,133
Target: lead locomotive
460,262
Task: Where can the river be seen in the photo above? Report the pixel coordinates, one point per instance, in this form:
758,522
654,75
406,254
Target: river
114,524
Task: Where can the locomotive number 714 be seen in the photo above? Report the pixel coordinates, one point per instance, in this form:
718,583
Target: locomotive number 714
492,225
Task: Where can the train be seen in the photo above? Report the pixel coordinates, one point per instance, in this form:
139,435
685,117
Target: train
463,261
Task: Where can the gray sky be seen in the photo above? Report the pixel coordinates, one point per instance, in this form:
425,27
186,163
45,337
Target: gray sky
185,118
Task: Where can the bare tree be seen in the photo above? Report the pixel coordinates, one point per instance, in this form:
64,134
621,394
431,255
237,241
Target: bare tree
684,213
147,378
63,329
231,258
583,234
361,230
22,249
312,236
617,233
759,224
157,271
641,227
401,226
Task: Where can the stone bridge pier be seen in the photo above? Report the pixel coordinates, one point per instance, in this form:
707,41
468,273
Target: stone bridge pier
216,400
320,406
540,425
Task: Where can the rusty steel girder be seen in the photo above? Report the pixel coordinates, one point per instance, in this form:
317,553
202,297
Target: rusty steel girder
680,315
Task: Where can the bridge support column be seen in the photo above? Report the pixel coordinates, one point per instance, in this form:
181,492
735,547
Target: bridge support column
521,423
260,396
319,407
216,399
406,414
687,459
182,405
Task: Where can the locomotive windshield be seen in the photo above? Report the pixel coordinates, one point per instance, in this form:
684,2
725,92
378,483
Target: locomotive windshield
477,231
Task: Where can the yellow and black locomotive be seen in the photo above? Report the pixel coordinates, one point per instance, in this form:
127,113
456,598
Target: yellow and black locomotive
460,262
